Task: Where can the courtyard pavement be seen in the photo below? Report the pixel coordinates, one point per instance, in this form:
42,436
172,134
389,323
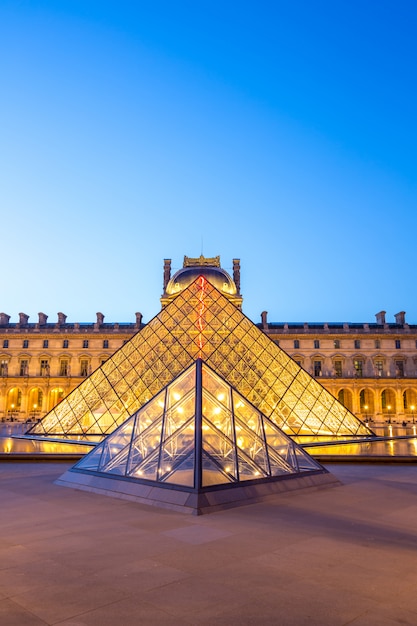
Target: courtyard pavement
338,556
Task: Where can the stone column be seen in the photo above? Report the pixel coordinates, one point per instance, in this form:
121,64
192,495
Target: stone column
167,273
236,274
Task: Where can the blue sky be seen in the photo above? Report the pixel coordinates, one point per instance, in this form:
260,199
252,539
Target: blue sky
280,132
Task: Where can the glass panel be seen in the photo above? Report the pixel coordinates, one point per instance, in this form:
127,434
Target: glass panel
92,460
213,474
248,469
219,448
116,449
181,386
184,472
305,461
143,447
177,457
252,445
147,469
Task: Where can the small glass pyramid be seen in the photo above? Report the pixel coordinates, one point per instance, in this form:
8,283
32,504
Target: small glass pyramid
198,432
200,323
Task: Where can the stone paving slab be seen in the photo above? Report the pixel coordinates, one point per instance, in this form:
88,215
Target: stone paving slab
344,555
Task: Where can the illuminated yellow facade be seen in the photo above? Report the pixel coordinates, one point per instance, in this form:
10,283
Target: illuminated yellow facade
371,367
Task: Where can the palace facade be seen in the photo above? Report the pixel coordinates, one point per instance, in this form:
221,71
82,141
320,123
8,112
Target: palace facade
370,367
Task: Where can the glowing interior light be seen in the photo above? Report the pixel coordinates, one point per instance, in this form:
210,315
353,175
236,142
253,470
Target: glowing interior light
256,473
240,441
161,404
180,409
176,395
227,469
220,397
217,410
168,468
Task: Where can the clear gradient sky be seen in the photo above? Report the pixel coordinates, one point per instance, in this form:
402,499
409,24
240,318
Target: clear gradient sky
282,132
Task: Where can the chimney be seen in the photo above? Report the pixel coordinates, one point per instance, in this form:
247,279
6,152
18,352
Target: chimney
42,319
380,317
236,274
4,319
138,320
100,319
61,318
167,273
400,318
23,319
264,319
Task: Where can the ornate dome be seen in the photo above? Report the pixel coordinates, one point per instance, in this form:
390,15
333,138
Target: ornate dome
218,277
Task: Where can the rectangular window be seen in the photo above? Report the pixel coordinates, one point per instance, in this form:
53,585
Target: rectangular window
399,369
357,344
24,367
296,344
358,365
6,343
26,343
336,344
379,368
64,368
46,343
44,367
338,368
316,344
65,343
83,367
105,343
4,367
378,344
398,344
85,343
317,368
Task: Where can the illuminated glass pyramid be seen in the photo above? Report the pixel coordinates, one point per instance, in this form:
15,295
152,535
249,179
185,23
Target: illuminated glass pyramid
196,445
200,322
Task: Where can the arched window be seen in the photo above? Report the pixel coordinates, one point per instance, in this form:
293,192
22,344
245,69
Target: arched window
410,401
55,396
388,402
366,402
35,402
345,397
14,402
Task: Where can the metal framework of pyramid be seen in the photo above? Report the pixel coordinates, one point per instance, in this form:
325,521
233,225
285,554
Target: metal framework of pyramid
198,445
201,323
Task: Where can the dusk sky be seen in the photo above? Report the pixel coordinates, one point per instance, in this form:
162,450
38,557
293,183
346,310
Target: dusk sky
279,132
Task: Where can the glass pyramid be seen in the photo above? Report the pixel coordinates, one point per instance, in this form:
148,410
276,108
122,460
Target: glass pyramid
200,323
198,432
